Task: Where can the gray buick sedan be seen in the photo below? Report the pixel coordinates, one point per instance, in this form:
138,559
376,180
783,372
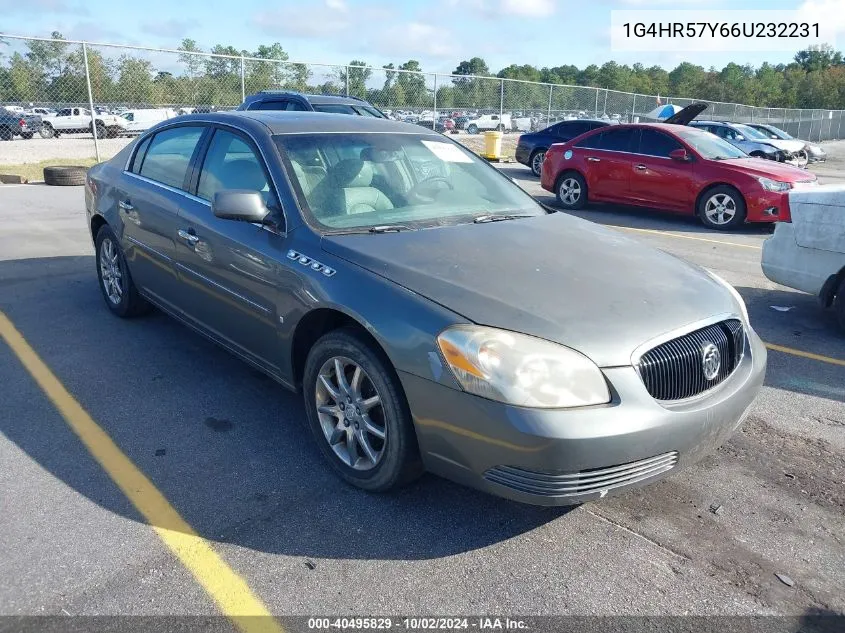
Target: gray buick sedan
433,315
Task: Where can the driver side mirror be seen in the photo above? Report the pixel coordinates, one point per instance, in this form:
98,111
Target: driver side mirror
680,155
240,204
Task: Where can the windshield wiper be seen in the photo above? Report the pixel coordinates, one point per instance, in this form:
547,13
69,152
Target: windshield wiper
389,228
483,219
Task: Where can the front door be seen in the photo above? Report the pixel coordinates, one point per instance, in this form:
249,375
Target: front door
229,269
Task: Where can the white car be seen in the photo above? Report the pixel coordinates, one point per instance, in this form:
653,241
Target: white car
808,252
487,122
69,120
42,111
137,121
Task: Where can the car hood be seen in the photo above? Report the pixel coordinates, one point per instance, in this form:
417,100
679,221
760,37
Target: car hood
786,145
555,277
769,169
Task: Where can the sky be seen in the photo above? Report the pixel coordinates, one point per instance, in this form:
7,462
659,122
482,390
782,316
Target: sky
438,33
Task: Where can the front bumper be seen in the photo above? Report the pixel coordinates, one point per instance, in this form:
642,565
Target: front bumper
522,154
565,457
766,206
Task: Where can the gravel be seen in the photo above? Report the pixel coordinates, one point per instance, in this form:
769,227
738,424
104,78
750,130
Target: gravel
37,149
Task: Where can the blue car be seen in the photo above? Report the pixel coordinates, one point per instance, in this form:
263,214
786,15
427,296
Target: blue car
531,148
734,135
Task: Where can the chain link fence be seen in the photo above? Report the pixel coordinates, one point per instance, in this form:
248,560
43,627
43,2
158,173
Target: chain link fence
92,98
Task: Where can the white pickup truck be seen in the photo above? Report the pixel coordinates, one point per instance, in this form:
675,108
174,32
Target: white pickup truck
69,120
808,252
487,122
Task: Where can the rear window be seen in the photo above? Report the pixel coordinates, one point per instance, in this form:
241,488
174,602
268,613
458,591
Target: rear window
169,155
334,108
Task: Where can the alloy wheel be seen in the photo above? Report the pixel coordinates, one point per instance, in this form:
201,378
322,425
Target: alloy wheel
537,163
351,413
720,208
111,272
570,191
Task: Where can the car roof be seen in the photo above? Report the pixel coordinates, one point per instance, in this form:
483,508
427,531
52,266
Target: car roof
284,122
320,99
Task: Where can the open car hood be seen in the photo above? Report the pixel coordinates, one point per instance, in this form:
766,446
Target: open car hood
683,117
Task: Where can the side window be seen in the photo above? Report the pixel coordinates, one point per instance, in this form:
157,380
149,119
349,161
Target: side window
654,143
572,129
594,141
618,140
64,112
495,117
169,154
295,106
231,164
138,160
269,105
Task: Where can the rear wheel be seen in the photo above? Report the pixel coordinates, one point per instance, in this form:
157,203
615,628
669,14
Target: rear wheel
536,162
472,129
839,304
116,283
6,134
358,413
27,135
572,191
47,131
101,130
722,208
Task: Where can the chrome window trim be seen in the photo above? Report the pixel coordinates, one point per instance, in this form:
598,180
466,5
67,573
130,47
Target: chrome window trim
206,122
169,188
641,349
237,295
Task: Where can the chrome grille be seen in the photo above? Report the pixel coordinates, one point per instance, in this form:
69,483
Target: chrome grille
674,370
557,484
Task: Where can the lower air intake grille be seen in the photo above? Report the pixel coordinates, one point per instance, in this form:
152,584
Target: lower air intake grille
675,370
552,484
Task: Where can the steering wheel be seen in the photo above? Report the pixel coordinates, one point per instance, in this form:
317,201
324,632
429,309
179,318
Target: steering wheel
417,190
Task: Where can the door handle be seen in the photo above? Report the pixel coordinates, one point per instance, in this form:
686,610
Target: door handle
593,159
188,235
641,167
125,205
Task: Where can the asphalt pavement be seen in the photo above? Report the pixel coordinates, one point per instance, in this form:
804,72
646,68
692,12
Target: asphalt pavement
228,450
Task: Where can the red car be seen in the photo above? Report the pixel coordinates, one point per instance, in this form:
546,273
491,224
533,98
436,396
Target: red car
672,167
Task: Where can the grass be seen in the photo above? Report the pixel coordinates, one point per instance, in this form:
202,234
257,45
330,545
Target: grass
35,171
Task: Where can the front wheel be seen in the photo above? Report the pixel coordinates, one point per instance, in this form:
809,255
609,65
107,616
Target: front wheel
47,131
839,305
101,130
6,134
472,129
572,191
358,413
116,284
536,162
27,135
722,208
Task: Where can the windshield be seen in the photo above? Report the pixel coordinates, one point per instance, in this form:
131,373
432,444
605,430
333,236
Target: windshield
776,131
709,145
750,132
358,181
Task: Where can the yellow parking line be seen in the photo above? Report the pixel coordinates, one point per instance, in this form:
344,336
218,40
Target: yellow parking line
803,354
231,593
685,237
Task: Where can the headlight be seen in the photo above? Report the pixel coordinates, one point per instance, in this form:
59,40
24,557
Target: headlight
743,310
774,185
521,370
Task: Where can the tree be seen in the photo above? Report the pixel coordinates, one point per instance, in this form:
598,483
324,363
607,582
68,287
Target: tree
818,57
273,73
684,79
193,63
589,76
475,66
134,83
354,77
413,87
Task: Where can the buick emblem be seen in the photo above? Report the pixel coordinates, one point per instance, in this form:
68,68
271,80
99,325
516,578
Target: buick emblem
711,361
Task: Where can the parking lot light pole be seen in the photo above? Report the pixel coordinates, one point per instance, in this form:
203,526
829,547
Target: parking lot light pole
90,101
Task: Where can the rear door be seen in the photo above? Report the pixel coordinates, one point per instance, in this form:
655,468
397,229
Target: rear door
230,269
656,179
607,159
149,196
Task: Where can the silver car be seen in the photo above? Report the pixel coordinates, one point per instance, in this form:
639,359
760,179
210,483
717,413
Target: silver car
433,315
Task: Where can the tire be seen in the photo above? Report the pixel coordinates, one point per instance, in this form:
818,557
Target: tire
113,132
65,175
6,134
472,129
803,159
397,460
729,200
126,303
101,130
839,305
536,162
47,131
571,191
27,135
501,128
